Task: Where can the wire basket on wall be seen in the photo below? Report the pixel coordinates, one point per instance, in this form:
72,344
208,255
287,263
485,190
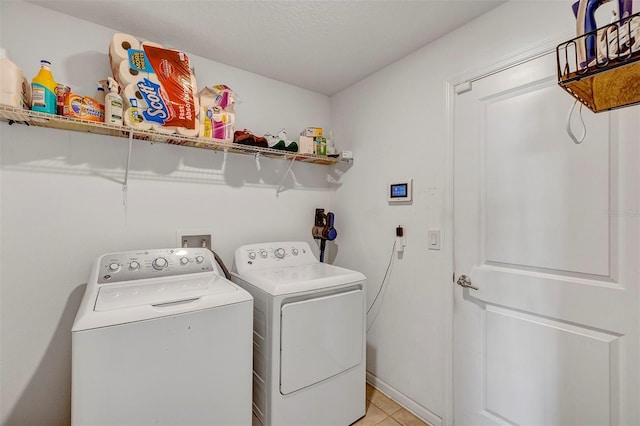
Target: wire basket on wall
601,68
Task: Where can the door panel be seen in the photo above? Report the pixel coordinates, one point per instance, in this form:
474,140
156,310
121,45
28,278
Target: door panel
320,337
538,378
546,230
534,184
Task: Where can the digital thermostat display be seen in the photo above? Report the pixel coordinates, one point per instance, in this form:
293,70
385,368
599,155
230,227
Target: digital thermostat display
400,192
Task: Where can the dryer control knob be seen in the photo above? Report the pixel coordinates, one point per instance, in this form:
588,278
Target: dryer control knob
199,259
184,260
134,266
263,254
252,255
114,267
159,263
279,252
294,251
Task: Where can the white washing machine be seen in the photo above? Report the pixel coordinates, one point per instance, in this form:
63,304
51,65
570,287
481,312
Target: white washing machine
161,338
308,336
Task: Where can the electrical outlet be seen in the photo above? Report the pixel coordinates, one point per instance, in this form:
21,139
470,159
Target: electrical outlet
194,238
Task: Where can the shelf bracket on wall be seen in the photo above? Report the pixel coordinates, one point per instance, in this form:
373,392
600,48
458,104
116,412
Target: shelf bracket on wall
257,156
126,174
278,190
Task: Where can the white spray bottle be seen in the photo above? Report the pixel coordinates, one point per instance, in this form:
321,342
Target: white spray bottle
113,108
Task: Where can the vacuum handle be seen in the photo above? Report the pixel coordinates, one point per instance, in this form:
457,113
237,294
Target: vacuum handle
330,232
319,221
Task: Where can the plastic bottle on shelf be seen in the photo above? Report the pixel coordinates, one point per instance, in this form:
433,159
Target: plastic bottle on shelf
14,87
113,108
100,91
43,90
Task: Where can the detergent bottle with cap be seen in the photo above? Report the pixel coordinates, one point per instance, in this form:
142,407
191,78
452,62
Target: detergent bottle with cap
113,108
43,90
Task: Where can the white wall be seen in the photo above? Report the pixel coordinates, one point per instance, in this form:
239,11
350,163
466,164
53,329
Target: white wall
396,124
61,197
61,200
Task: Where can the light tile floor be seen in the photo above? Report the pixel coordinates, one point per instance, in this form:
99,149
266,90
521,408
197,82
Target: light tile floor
384,411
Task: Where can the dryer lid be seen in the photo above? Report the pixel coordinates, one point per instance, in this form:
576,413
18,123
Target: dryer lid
294,279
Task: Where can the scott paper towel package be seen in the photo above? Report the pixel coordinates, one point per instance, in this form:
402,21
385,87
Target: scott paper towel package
192,133
133,118
119,50
165,130
157,82
132,97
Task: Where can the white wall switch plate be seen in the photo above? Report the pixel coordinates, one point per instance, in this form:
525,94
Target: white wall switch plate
433,239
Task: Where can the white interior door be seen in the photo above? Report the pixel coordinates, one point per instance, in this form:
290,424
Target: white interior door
548,232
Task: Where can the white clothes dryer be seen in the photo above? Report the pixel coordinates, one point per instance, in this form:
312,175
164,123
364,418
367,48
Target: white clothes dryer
161,338
308,336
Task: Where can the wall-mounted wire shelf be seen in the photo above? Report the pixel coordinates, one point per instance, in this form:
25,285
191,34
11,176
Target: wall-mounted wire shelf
38,119
601,68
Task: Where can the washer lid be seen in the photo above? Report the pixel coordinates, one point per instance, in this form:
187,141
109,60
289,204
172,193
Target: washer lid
294,279
160,293
116,304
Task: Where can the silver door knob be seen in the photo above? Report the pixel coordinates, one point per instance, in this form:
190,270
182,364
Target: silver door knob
465,281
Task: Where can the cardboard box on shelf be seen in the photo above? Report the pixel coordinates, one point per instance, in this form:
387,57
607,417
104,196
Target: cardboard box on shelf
312,131
306,145
83,107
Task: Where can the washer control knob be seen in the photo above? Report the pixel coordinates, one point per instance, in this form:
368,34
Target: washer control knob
134,266
252,255
199,259
114,267
279,252
184,261
294,251
263,254
159,263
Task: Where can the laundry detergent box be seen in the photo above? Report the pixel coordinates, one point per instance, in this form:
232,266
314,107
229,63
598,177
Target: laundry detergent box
166,82
83,107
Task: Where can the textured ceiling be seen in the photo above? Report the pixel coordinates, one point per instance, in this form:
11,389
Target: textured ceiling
323,46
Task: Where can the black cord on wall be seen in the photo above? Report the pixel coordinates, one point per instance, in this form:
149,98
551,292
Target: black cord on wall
393,249
225,271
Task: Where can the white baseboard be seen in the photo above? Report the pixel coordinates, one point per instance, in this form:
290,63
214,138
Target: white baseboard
406,402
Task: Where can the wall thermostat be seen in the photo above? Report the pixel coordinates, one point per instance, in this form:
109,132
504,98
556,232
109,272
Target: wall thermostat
400,192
